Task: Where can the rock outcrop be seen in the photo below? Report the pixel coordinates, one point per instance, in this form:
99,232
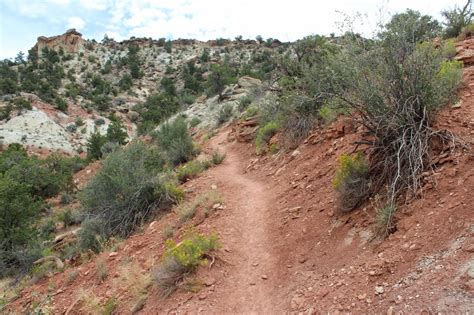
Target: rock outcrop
465,51
70,42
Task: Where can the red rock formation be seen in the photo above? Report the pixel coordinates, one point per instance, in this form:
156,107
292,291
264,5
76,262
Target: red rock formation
70,42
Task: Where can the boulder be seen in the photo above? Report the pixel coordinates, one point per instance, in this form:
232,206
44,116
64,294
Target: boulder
248,82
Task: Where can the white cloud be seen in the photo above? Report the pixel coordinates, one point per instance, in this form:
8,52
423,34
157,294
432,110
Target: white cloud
76,22
282,19
60,2
99,5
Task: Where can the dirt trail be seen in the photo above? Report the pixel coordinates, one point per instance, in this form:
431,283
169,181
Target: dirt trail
246,234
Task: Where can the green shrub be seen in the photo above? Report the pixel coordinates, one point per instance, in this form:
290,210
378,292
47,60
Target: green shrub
167,84
173,138
205,56
89,235
467,31
219,77
194,122
116,132
156,109
61,104
21,104
66,217
183,258
17,234
66,199
244,102
225,113
94,145
331,110
447,80
351,180
125,191
396,83
79,122
217,158
264,135
457,19
125,82
99,121
168,46
189,170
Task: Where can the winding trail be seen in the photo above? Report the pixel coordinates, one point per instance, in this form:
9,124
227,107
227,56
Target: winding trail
246,233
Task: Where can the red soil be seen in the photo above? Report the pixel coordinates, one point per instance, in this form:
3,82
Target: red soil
286,248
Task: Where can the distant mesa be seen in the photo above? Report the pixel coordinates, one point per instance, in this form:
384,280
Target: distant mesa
70,42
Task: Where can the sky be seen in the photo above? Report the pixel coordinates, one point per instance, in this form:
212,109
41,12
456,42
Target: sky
22,21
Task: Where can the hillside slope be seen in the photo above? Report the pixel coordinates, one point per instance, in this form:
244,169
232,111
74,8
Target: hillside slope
286,248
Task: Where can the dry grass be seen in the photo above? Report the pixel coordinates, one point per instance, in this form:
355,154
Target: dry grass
71,276
136,283
89,303
101,270
187,210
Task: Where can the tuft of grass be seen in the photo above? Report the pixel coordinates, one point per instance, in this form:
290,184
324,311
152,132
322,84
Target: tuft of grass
194,122
71,276
101,270
90,304
187,210
189,170
217,158
264,135
168,232
136,283
384,216
110,306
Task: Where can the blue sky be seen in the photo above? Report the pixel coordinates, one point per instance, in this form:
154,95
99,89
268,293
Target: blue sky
21,21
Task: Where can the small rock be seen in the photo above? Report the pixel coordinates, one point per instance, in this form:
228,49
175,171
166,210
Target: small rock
390,311
295,153
414,247
209,281
296,302
113,254
469,247
323,292
302,260
202,296
213,187
362,296
379,290
470,272
252,283
457,105
264,277
152,224
255,264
